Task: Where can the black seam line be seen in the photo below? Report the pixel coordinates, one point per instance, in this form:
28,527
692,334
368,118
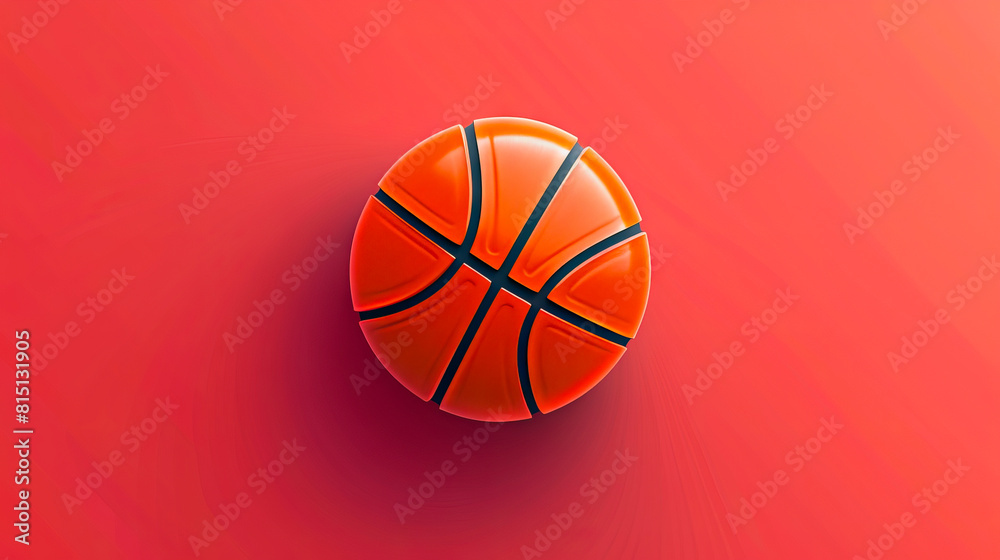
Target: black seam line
480,266
528,295
459,252
504,271
476,172
436,238
541,301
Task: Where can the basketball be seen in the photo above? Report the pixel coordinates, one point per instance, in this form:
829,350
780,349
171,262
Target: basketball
500,270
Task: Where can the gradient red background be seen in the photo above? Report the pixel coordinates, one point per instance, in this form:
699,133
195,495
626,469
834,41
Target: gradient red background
826,357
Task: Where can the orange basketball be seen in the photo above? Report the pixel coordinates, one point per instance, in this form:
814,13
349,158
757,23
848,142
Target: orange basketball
500,270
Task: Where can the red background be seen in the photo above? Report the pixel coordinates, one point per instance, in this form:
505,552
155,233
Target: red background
699,456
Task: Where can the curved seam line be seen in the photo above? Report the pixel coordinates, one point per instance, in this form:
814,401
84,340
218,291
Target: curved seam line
508,263
541,301
459,252
436,238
